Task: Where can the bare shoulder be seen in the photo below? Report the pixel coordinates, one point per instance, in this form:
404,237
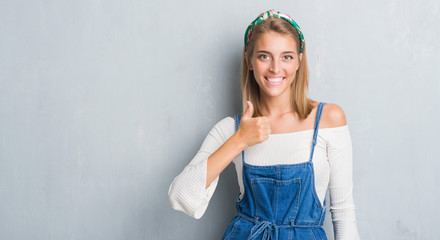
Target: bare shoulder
332,116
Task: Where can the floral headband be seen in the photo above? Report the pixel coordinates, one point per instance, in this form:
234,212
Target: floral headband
274,14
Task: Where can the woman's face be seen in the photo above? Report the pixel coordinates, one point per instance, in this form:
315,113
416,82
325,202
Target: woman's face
274,62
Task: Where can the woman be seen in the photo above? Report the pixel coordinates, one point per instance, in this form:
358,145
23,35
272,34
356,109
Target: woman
286,164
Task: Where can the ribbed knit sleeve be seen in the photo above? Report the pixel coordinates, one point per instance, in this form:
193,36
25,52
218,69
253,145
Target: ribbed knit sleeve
342,208
187,192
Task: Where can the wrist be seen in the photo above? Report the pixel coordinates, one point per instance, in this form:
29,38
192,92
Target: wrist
238,141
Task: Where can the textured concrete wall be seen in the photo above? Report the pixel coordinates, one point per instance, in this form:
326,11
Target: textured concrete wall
102,104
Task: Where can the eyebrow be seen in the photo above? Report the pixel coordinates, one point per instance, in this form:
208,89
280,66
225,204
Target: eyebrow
263,51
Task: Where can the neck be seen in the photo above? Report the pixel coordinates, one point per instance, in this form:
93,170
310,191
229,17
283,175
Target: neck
275,106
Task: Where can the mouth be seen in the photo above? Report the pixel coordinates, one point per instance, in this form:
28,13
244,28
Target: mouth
275,81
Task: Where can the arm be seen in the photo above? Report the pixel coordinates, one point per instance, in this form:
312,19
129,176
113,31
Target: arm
188,192
342,205
221,158
340,157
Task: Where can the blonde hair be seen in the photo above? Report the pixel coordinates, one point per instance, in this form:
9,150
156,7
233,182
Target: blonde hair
249,87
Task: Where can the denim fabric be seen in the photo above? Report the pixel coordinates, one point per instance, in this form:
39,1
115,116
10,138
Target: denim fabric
280,201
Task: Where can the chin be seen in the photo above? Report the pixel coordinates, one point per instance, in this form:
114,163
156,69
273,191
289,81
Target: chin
273,93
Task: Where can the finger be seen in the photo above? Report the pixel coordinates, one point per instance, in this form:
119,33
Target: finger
264,119
264,122
249,111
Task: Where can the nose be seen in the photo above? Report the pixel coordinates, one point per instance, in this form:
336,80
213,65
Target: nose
274,66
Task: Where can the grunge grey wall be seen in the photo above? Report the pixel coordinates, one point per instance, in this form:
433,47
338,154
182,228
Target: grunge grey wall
103,103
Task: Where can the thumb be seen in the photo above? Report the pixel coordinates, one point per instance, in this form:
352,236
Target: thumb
249,111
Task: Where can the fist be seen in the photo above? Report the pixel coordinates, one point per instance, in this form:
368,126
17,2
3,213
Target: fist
253,130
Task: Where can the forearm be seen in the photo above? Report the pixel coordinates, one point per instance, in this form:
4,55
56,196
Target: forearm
221,158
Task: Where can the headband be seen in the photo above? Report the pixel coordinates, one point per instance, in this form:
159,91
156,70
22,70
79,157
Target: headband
273,14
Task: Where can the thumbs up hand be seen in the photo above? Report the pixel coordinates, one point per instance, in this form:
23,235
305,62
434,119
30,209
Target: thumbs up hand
253,130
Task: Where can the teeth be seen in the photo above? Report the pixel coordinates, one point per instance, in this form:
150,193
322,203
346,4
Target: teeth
274,79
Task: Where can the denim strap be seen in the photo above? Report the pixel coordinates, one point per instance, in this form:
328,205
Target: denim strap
315,131
237,124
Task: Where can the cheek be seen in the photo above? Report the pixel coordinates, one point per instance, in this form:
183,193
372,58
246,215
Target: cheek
259,70
260,66
293,67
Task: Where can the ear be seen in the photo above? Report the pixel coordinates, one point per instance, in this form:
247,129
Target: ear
300,59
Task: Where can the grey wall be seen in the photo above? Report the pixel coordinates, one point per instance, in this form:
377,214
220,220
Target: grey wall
103,103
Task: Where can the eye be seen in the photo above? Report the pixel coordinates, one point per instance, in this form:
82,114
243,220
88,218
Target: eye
288,57
263,57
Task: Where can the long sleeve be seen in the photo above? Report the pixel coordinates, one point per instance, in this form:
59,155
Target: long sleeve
187,192
342,206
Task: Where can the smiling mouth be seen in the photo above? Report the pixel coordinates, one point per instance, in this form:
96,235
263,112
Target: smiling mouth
274,81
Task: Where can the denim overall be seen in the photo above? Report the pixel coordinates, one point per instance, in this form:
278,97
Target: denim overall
279,201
